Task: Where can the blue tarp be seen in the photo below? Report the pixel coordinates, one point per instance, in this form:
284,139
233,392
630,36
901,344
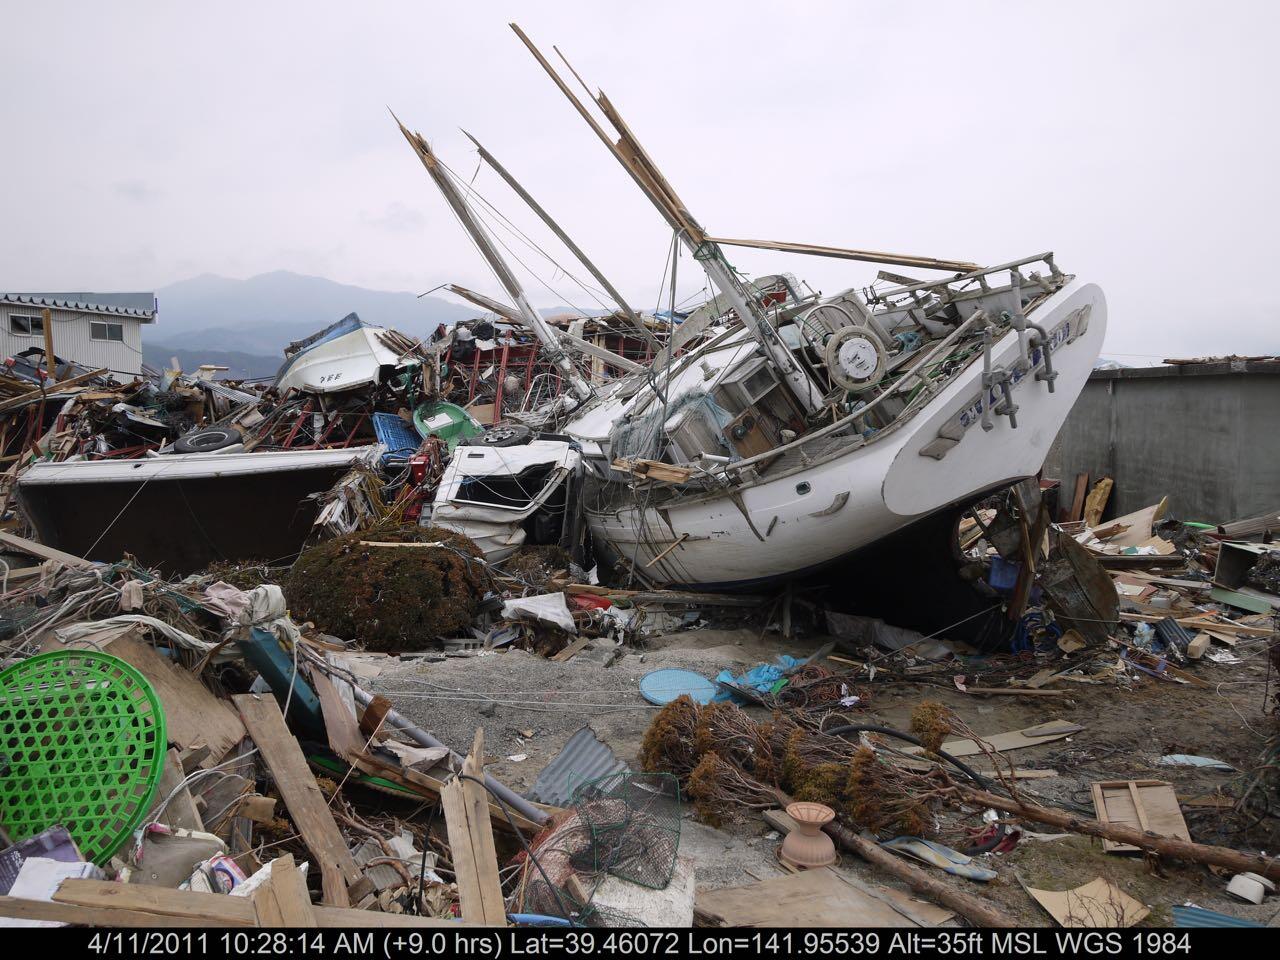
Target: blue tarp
762,677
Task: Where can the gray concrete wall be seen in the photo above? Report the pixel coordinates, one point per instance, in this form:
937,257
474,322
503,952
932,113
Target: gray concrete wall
1207,436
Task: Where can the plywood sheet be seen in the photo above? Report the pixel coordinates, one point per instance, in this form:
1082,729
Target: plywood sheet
1013,740
812,898
1099,903
192,714
1149,805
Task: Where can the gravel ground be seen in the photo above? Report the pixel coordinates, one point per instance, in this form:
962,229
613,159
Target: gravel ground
1126,729
530,705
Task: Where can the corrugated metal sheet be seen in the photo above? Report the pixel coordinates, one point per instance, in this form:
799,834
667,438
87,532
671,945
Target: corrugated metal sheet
1200,917
139,305
583,758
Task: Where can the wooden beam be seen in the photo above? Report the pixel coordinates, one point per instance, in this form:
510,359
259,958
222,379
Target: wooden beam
50,361
69,913
283,901
475,860
215,909
565,239
104,903
34,549
31,396
307,807
842,253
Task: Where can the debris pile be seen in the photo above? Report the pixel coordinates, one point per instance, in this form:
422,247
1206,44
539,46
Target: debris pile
247,631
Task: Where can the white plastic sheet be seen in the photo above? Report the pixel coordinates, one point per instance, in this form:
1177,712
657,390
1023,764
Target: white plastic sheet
548,608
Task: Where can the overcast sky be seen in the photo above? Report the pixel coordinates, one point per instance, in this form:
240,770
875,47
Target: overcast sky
148,142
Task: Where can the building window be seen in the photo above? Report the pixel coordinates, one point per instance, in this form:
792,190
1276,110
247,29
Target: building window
26,326
106,331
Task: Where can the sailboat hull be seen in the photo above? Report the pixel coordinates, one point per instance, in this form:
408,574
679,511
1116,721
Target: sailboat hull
798,517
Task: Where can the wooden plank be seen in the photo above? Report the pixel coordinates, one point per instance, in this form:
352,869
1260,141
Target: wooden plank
1013,740
653,470
307,807
32,548
192,714
339,720
475,860
675,543
1077,499
109,904
572,650
373,721
346,742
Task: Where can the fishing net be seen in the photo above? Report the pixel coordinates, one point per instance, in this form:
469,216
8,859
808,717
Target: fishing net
641,437
624,825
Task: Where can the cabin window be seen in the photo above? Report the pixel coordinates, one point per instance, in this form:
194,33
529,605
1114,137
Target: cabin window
113,332
26,326
510,492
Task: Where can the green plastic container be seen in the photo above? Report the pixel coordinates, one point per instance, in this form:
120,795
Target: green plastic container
448,421
83,736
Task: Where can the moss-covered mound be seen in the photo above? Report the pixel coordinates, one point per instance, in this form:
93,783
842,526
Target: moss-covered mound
389,598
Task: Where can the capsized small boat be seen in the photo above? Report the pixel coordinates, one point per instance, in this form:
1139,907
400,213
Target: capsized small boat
343,356
182,512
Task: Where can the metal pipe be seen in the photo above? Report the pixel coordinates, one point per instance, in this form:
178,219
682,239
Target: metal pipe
419,736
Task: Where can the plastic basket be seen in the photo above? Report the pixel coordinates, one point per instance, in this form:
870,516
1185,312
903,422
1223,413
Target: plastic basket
82,738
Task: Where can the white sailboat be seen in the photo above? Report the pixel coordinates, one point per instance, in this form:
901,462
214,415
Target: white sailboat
780,432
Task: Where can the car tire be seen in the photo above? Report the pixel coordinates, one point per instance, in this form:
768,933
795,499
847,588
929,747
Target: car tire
208,440
503,435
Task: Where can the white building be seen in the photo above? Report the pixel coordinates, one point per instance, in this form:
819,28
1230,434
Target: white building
91,329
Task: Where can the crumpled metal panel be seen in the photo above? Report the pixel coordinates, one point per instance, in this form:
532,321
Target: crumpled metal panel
1080,592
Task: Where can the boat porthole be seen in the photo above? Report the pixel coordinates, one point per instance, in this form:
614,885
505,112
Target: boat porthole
802,488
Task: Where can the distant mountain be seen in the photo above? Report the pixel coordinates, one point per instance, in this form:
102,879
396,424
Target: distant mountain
260,316
240,366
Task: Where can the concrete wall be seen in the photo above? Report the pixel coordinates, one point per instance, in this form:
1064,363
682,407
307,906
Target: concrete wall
1206,435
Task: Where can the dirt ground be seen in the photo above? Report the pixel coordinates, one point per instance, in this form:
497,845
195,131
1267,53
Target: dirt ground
529,707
